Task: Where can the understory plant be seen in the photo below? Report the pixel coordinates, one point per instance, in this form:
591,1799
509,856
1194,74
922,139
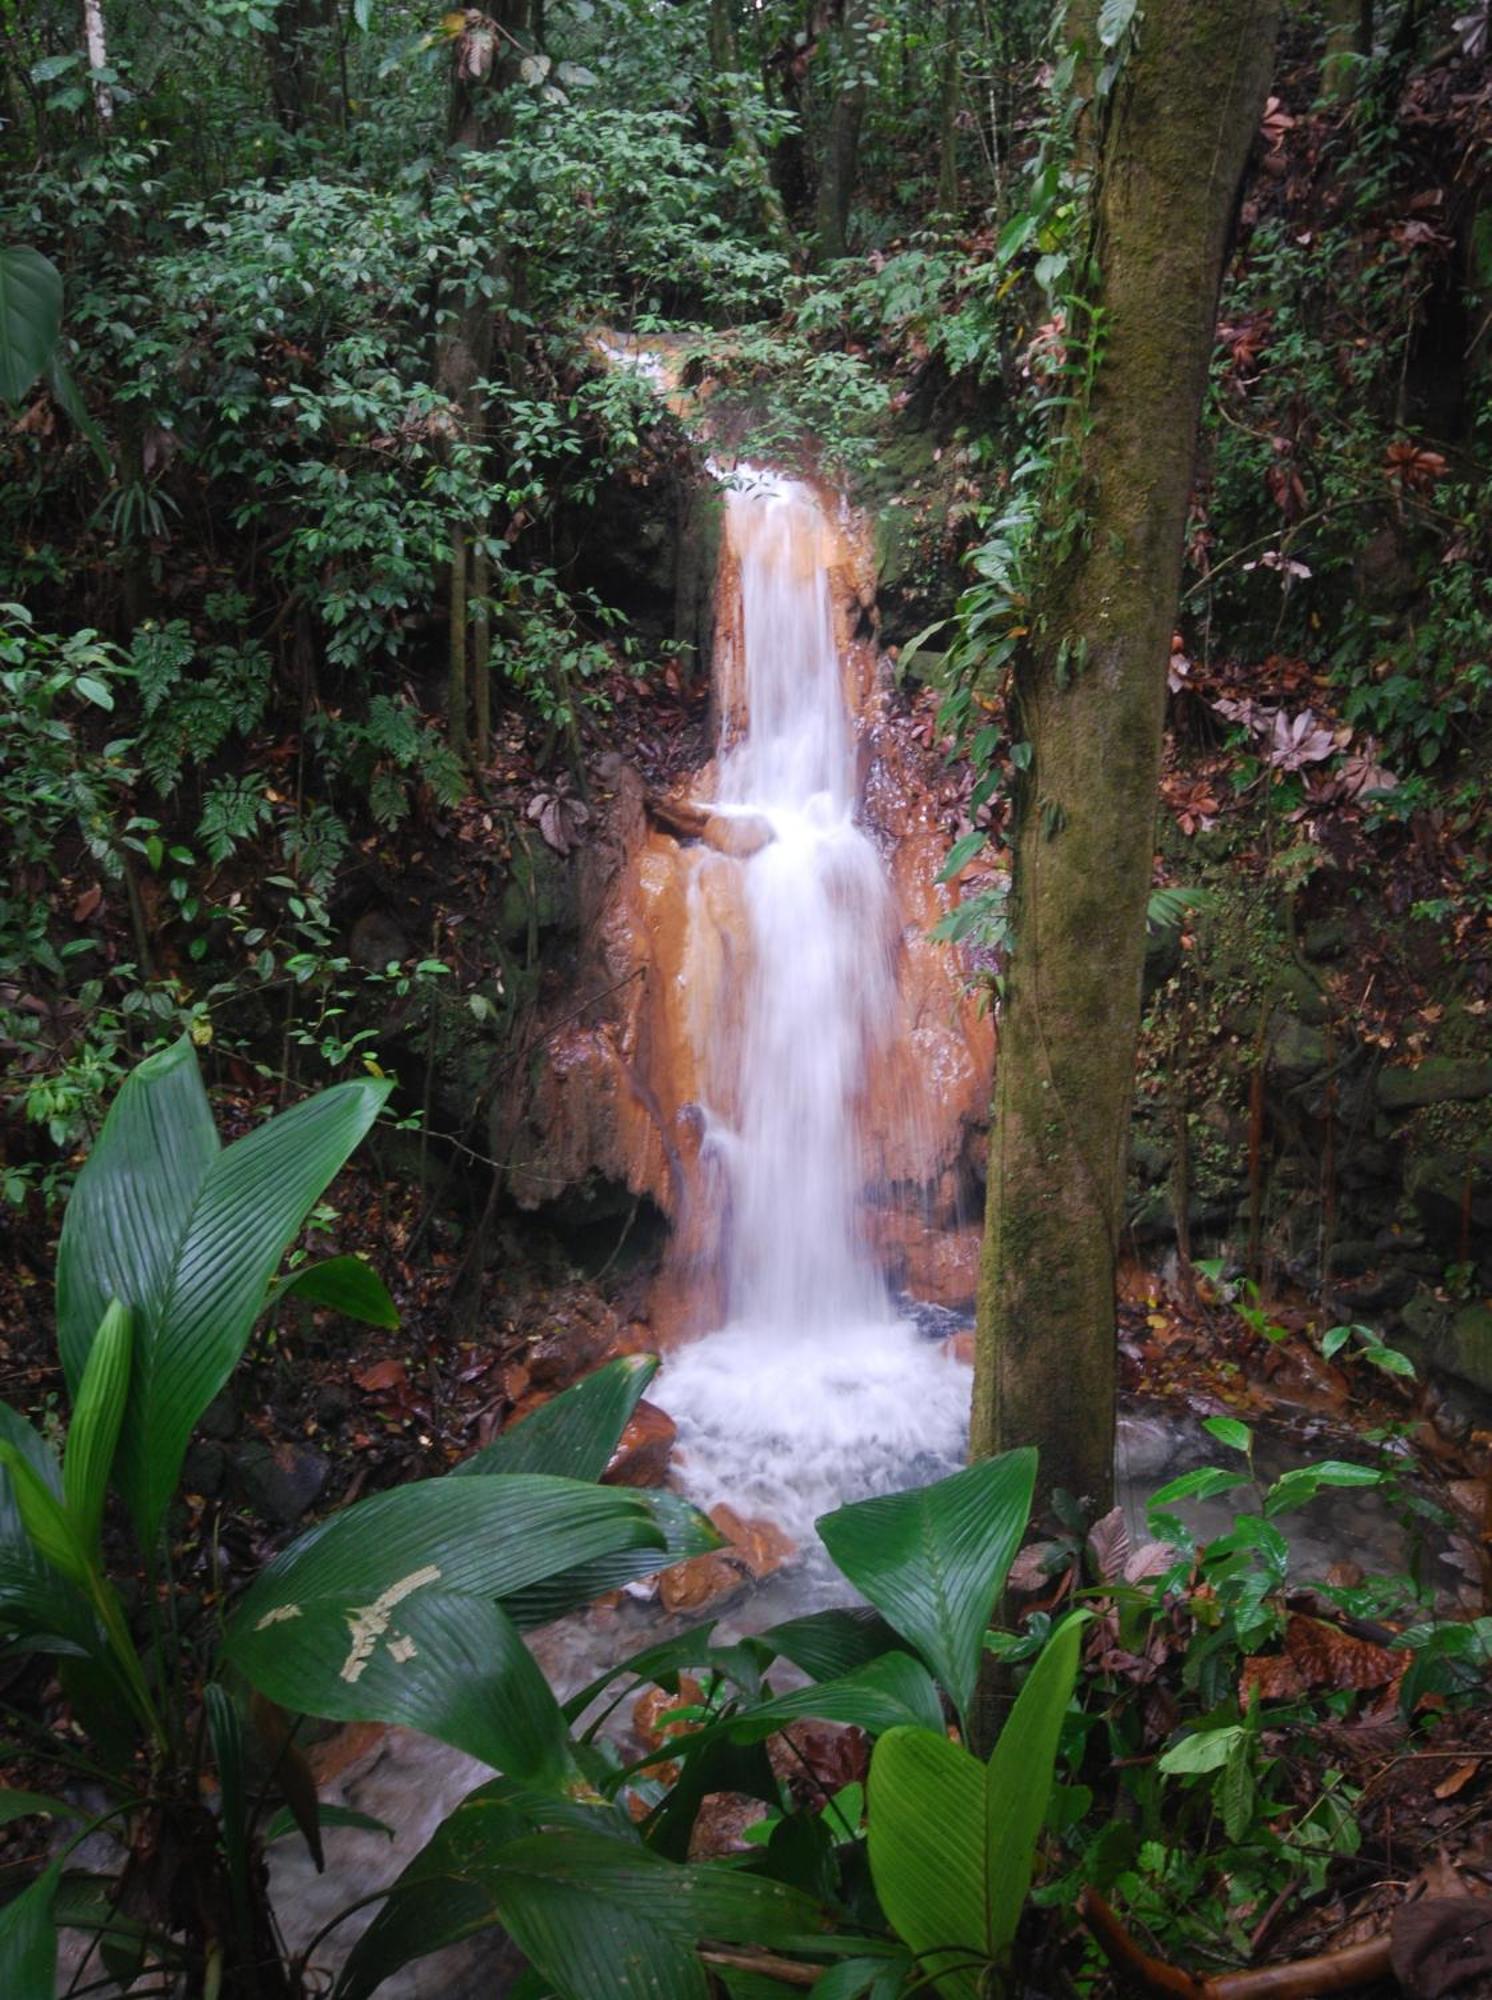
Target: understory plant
410,1607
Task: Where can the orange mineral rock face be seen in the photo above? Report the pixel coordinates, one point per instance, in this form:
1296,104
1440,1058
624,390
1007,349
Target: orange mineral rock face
645,1088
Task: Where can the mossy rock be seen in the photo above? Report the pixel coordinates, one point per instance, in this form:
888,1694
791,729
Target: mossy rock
542,892
1437,1080
1454,1341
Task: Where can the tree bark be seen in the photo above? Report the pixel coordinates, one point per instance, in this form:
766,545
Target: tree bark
841,161
483,61
725,61
97,44
1090,696
948,117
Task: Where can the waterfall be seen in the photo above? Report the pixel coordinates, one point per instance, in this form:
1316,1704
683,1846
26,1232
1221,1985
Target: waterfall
813,1390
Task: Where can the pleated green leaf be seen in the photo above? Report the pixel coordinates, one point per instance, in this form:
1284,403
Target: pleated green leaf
830,1644
1018,1785
188,1234
953,1841
934,1560
28,1941
37,1604
347,1284
441,1897
386,1611
661,1663
926,1819
45,1519
606,1920
575,1433
30,318
94,1432
682,1530
886,1693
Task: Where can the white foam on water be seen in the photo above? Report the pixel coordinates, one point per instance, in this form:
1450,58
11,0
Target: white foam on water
814,1391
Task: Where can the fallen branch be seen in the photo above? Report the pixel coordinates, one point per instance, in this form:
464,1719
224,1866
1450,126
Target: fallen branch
1303,1978
789,1970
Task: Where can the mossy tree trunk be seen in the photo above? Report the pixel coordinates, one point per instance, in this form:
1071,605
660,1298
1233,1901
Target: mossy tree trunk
1091,698
485,55
735,119
840,165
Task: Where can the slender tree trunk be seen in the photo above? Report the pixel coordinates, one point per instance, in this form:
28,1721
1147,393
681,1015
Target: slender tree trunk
841,160
725,60
1091,699
483,61
948,122
1349,34
97,44
305,37
456,693
480,620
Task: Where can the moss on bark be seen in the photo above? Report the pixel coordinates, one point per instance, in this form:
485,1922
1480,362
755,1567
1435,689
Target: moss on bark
1186,107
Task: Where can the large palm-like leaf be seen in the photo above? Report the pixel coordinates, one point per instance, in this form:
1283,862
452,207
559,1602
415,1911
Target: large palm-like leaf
575,1433
934,1560
30,318
386,1611
952,1841
188,1235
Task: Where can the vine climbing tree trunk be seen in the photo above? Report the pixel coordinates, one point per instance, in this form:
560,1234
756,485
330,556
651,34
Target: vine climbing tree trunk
1090,696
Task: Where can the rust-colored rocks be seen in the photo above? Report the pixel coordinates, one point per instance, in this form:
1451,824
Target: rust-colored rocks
739,835
721,1824
641,1458
756,1549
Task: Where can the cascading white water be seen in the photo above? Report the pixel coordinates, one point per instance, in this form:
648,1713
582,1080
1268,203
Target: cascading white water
814,1391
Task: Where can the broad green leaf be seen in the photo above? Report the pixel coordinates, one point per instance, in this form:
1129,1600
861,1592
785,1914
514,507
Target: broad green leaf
1203,1750
225,1728
385,1612
682,1532
442,1896
1202,1484
1019,1781
347,1284
1297,1488
65,393
934,1560
606,1920
894,1690
94,1431
1229,1431
28,1941
661,1663
829,1644
45,1520
953,1841
928,1852
188,1235
30,318
962,853
575,1433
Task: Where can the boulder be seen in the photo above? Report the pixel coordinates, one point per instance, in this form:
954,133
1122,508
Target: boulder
1437,1080
279,1481
641,1458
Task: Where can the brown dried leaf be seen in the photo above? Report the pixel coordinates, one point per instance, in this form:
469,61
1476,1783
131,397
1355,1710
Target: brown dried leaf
1108,1544
1326,1656
1440,1943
